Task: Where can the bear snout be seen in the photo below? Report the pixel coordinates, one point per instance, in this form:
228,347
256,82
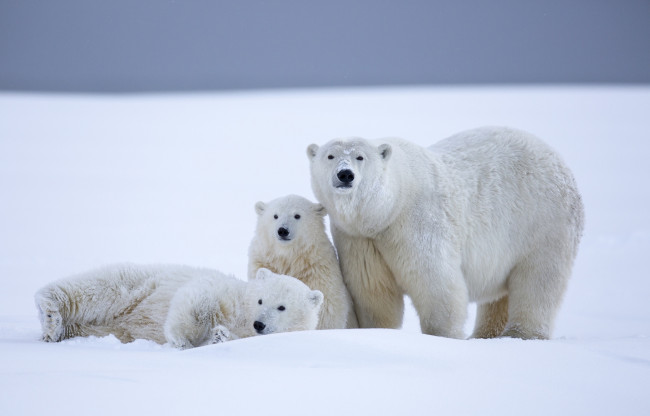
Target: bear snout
346,176
283,233
259,326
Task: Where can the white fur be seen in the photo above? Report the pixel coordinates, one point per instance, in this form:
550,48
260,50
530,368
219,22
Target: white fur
306,253
182,305
490,215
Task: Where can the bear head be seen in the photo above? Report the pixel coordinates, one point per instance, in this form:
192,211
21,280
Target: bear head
351,178
282,304
290,221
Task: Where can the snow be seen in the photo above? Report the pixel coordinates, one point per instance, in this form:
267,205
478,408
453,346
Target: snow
89,180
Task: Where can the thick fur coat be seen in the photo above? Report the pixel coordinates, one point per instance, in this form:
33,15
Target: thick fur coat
290,239
491,215
180,305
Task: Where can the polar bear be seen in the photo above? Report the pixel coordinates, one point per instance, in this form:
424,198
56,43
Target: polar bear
290,239
180,305
490,215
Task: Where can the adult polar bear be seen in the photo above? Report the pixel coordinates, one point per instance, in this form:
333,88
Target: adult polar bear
490,215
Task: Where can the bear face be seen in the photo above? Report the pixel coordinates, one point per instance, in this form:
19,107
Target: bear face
342,164
287,221
282,303
349,177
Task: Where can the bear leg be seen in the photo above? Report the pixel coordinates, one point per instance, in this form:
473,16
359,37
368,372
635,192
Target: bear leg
51,323
384,310
442,312
53,305
491,319
378,300
535,290
220,334
189,322
50,313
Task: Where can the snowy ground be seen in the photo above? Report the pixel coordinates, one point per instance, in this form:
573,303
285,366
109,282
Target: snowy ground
91,180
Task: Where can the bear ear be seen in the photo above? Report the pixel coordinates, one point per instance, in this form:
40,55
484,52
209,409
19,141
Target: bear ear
385,151
319,209
312,149
263,273
259,207
316,298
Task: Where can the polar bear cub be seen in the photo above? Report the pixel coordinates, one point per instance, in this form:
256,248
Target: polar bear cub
290,239
491,215
180,305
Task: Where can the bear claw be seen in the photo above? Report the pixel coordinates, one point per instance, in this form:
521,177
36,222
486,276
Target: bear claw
220,334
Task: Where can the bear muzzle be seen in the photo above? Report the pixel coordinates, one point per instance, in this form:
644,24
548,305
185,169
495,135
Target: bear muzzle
346,176
283,234
259,327
344,179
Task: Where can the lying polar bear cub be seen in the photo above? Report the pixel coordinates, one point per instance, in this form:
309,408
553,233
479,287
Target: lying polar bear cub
181,305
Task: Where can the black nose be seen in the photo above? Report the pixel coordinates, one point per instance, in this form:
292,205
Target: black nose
345,176
283,232
259,326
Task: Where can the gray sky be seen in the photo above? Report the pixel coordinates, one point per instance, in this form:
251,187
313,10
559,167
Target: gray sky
164,45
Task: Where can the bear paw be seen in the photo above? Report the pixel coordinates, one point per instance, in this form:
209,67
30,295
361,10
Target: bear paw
52,325
220,334
516,331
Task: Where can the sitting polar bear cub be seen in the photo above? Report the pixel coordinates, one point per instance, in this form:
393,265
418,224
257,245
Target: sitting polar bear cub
184,306
290,239
490,215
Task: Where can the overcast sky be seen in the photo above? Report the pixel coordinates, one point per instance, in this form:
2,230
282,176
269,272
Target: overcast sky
164,45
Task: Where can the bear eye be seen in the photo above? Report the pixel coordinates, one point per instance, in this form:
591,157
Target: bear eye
281,308
359,157
330,157
297,216
275,216
259,301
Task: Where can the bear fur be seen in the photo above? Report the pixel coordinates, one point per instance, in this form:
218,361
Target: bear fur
290,239
180,305
490,215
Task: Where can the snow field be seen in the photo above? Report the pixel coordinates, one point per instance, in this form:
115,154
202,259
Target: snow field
92,180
